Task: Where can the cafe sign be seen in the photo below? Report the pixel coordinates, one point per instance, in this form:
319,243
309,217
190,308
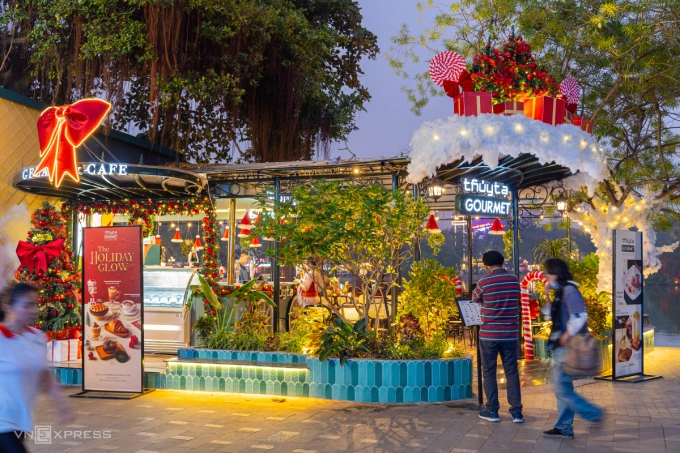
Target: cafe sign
100,169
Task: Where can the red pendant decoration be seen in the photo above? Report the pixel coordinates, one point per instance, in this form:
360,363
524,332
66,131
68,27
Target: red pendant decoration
245,223
255,244
225,236
432,226
177,237
244,234
497,227
61,130
197,243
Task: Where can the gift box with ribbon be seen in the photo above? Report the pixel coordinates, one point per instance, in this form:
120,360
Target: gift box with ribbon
509,108
62,350
585,124
472,103
547,109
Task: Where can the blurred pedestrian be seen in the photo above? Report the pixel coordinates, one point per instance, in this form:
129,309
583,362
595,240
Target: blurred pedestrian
569,318
23,366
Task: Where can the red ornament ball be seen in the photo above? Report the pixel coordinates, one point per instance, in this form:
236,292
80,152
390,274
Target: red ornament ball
70,306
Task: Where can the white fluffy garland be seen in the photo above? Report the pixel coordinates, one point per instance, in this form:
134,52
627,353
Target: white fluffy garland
491,136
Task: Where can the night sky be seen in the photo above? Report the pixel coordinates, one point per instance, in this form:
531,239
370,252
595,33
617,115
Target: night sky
387,124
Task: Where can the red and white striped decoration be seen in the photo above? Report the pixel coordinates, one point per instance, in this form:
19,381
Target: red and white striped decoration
570,89
446,65
459,285
526,313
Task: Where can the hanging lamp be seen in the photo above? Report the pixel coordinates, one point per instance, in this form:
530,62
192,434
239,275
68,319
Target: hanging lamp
225,236
255,244
245,223
431,225
197,243
244,233
177,237
497,228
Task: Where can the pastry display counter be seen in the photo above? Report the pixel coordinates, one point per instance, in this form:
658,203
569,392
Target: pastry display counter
165,326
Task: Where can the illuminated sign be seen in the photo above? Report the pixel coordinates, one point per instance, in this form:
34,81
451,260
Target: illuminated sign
100,169
481,187
487,206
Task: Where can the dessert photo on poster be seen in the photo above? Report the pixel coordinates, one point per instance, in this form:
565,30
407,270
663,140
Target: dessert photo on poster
628,340
632,282
112,326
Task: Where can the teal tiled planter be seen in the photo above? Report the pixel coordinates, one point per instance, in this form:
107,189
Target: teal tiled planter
369,381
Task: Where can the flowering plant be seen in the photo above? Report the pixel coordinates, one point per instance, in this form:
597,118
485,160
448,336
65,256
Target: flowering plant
511,73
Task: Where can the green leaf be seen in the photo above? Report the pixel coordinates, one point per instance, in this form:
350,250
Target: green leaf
209,294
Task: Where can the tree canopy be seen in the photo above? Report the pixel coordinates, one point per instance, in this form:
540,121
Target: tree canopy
256,80
623,53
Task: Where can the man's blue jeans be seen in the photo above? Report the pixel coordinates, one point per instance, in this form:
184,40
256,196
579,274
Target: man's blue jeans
568,401
508,352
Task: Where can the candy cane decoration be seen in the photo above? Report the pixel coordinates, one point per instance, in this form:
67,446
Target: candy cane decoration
570,89
459,285
446,65
526,313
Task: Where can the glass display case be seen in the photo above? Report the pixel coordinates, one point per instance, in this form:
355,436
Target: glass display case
166,327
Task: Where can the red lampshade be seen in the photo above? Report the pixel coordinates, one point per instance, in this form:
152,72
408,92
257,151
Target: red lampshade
244,234
432,226
255,243
177,237
497,227
197,243
245,223
225,236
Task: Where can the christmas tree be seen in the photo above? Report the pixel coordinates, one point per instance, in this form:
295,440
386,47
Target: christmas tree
47,262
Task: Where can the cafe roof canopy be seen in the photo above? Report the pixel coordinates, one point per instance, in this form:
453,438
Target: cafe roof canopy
245,180
114,182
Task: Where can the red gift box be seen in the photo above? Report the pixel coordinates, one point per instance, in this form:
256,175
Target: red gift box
547,109
472,103
585,124
509,108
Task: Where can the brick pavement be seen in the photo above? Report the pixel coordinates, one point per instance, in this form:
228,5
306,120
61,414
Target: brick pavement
640,417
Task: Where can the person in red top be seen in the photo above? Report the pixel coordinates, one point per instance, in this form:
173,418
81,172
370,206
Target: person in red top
23,367
499,295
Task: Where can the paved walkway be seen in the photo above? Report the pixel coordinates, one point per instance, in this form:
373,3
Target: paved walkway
640,417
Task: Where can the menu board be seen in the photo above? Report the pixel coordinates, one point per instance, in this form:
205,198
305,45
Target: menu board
112,309
470,312
627,315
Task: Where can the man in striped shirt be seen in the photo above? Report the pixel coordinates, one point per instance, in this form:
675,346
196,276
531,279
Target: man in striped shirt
499,294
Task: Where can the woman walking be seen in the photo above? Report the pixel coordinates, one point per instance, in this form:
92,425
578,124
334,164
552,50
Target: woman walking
23,366
569,318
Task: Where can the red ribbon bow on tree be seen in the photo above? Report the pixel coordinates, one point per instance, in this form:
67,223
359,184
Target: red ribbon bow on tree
35,256
61,130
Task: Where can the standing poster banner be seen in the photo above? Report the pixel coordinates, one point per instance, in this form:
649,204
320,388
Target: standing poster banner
628,289
113,314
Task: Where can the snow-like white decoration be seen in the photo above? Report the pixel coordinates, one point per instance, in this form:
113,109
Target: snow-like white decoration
601,221
491,136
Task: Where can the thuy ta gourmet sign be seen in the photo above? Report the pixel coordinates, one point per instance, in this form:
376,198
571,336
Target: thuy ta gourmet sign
483,198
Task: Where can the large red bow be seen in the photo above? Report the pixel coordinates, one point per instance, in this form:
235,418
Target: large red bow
35,256
61,130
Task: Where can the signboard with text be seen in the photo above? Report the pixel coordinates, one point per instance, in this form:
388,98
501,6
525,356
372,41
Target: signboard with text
113,315
628,308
